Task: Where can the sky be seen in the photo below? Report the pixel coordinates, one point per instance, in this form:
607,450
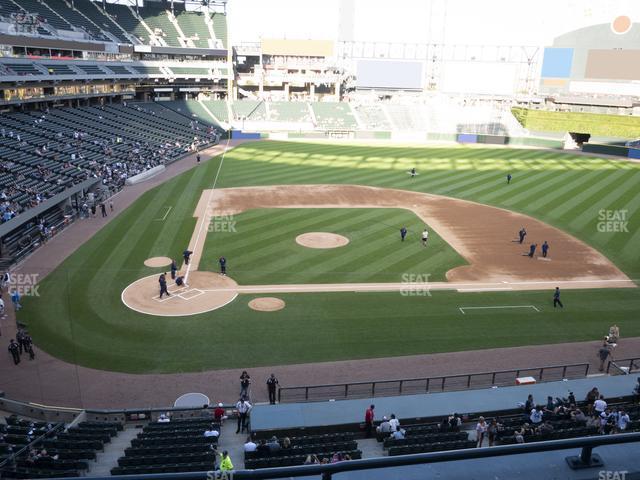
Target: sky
473,22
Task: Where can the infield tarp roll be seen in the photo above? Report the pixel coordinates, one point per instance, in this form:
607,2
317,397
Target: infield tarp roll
605,149
634,153
467,138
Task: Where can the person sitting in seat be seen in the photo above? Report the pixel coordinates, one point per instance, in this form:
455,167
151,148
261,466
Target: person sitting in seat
399,434
211,432
274,445
263,448
384,427
164,418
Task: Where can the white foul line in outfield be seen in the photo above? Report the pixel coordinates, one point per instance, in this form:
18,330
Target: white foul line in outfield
462,309
165,215
205,220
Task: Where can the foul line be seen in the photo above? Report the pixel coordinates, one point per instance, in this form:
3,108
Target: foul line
165,215
204,219
462,309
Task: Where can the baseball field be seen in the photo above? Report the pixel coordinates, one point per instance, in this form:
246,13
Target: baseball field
470,287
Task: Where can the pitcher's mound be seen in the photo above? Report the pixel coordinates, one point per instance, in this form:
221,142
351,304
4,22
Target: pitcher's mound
157,262
321,240
206,291
267,304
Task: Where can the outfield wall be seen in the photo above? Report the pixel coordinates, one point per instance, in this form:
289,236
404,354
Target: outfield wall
617,150
463,138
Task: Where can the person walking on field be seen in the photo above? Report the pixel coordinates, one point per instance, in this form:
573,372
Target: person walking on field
223,265
425,236
162,280
403,233
556,298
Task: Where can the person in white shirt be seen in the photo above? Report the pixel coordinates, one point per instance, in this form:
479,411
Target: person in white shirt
623,420
164,418
250,445
536,416
394,422
211,432
600,405
243,408
385,426
425,236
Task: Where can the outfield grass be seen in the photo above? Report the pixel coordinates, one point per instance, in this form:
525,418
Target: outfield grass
261,249
79,316
619,126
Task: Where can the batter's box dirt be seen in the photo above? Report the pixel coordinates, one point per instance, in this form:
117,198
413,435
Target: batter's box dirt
207,291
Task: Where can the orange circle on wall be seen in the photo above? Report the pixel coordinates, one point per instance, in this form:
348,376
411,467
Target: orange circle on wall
621,24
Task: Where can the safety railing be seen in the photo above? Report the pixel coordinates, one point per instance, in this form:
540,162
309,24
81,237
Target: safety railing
624,366
413,386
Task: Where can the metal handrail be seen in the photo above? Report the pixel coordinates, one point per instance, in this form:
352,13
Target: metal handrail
632,364
439,383
587,444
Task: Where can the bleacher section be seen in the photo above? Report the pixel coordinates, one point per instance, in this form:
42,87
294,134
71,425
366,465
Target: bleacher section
44,153
289,112
373,117
249,109
75,18
194,27
177,446
189,108
220,29
157,19
334,116
52,16
125,17
46,450
218,108
93,10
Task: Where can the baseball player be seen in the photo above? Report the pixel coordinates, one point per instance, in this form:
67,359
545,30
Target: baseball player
403,233
223,265
163,285
509,177
425,236
556,298
522,233
413,172
545,249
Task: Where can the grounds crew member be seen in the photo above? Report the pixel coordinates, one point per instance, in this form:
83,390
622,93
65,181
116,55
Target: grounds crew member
403,233
186,255
545,249
14,350
163,285
556,298
223,265
174,269
272,383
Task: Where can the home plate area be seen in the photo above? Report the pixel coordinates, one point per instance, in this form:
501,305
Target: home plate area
205,291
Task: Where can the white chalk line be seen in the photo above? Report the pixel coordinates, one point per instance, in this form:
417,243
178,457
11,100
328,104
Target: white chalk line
204,218
165,215
462,309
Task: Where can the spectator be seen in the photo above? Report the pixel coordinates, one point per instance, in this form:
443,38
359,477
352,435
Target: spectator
481,429
519,435
394,422
529,404
164,418
571,399
211,432
286,443
14,350
545,429
369,417
250,445
311,460
600,405
444,425
578,416
455,422
603,354
614,334
205,411
623,420
243,407
384,427
225,462
263,448
636,392
399,434
274,445
218,414
536,416
550,407
15,298
492,432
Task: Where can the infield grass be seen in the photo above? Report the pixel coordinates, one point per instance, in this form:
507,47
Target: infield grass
79,316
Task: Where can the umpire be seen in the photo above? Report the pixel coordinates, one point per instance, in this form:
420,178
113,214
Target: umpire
163,285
